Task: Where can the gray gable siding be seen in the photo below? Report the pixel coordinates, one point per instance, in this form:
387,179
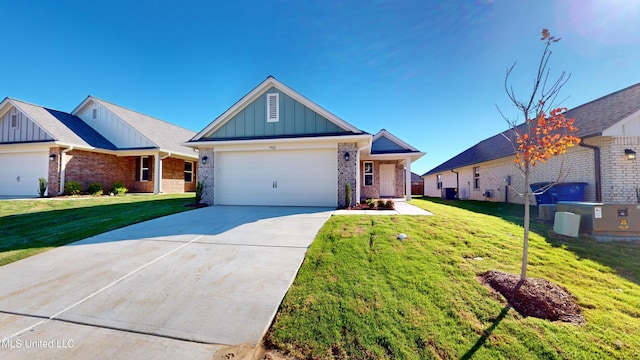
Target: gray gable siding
27,130
295,119
386,145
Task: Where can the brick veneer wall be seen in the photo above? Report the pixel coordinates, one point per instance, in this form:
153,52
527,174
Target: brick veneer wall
89,167
620,177
173,177
205,174
347,172
373,191
577,166
53,187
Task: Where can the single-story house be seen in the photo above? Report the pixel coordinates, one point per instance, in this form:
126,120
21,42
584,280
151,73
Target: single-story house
276,147
98,142
609,129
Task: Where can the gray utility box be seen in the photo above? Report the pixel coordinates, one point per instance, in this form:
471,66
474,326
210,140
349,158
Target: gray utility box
600,219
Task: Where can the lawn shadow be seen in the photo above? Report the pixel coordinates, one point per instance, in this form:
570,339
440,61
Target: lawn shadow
621,256
486,333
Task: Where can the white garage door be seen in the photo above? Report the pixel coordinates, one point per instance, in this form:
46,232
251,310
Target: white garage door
278,177
19,173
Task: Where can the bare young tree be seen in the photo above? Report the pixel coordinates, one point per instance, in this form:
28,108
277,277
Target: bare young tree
545,132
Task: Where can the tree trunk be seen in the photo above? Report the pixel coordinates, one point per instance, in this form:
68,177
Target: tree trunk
525,248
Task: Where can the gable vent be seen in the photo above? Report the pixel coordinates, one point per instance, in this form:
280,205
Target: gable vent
273,107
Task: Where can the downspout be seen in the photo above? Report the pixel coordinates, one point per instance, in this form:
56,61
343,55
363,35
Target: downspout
160,171
63,167
598,172
457,183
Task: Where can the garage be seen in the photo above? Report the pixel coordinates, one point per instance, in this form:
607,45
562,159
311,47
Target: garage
21,171
276,177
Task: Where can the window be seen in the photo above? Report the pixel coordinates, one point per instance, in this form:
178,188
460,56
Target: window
14,121
476,177
368,173
439,181
273,107
188,171
145,163
94,114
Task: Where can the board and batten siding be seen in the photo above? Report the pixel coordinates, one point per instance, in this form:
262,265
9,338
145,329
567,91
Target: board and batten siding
112,127
27,130
295,119
384,144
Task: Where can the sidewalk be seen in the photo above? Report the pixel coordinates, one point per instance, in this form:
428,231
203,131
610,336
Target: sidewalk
401,208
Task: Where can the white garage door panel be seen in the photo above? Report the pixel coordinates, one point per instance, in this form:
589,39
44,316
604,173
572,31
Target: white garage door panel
19,173
286,178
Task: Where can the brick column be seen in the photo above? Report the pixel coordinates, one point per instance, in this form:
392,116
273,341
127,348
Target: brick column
347,172
53,187
205,174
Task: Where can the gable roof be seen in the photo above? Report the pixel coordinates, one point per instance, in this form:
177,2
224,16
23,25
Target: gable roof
591,119
385,142
62,127
268,83
165,136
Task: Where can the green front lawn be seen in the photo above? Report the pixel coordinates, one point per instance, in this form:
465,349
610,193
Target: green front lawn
28,227
363,294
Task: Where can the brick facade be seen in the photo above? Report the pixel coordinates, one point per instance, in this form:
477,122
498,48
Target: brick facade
373,191
90,167
576,165
347,172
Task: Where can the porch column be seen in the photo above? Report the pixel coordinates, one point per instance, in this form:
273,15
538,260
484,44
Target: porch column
407,178
157,178
358,184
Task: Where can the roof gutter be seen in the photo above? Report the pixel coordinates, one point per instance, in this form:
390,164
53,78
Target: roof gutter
598,171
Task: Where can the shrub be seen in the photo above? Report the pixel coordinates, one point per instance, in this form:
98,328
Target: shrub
72,188
95,189
43,186
381,203
371,202
389,204
199,190
118,188
347,194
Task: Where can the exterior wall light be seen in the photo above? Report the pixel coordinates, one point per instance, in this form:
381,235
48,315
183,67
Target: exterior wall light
629,154
52,157
204,160
346,156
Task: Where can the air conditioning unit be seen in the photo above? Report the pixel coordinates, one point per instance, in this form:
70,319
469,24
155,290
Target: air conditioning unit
566,223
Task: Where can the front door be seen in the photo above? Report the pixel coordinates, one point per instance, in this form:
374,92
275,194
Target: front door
387,180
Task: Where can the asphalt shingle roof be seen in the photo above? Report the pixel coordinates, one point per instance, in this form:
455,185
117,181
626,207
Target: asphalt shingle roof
591,119
164,135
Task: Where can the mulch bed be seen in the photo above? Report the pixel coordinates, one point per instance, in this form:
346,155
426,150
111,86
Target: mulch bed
196,205
535,297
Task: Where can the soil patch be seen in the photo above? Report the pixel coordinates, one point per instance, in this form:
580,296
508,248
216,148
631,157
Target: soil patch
248,352
196,205
535,297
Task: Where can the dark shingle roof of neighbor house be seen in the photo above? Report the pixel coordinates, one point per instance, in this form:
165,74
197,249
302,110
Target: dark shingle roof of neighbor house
63,127
164,135
84,131
415,177
591,119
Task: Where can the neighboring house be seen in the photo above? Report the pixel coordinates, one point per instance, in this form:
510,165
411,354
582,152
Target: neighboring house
276,147
417,184
609,128
98,142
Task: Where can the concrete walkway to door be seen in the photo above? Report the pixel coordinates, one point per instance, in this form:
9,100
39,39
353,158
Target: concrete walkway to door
180,286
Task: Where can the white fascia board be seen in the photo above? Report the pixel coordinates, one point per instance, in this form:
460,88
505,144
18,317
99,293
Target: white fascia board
257,92
360,138
397,156
25,147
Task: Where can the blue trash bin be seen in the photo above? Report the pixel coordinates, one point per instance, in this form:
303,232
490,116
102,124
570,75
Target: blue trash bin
545,197
569,191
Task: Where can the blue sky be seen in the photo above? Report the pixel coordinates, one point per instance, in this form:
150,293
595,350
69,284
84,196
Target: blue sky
430,72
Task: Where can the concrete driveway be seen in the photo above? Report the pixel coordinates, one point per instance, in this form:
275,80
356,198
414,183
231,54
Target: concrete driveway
176,287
